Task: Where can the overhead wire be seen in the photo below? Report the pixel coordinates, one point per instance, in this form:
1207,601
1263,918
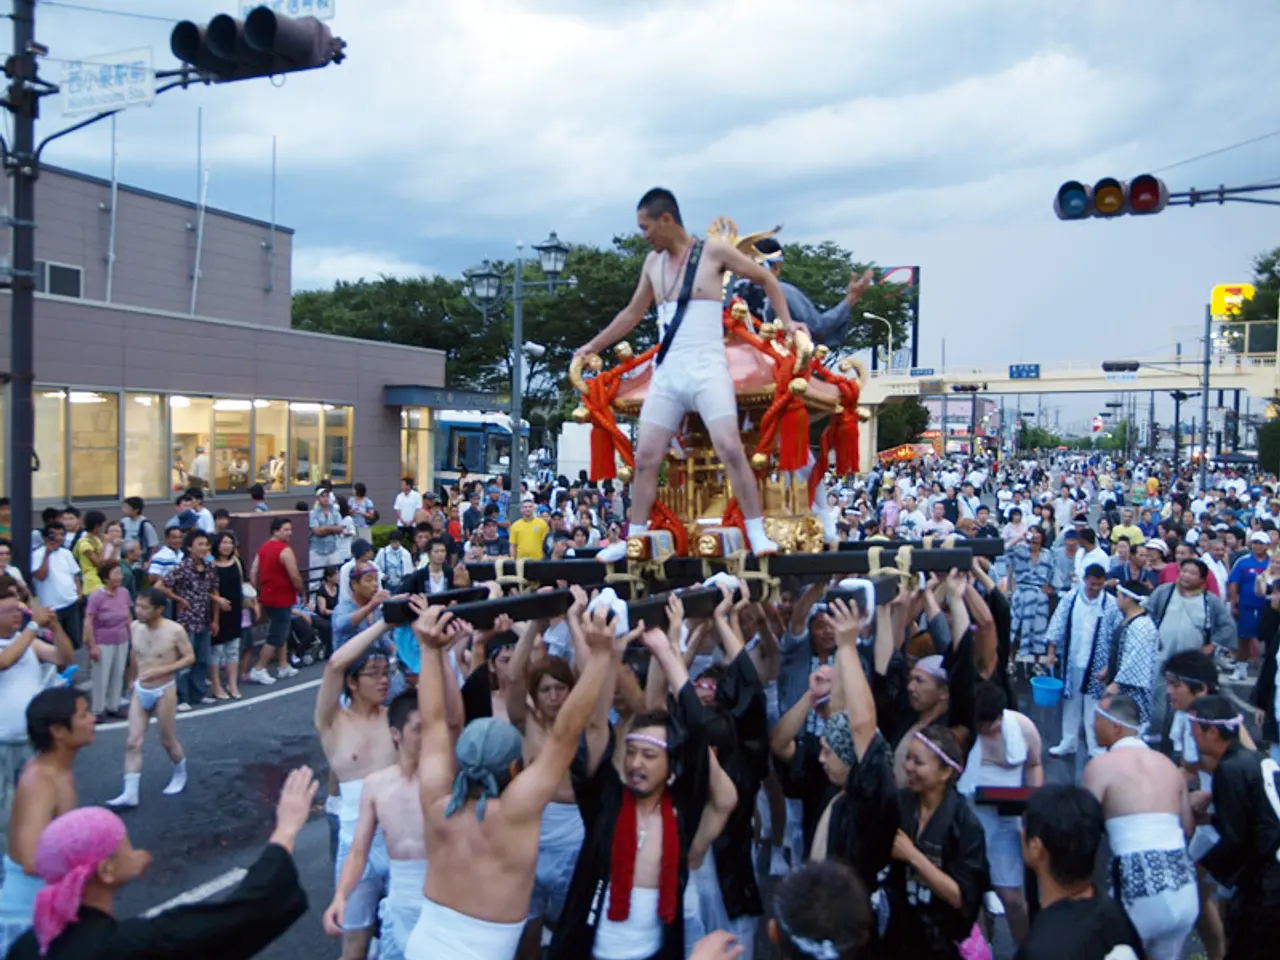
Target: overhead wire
88,8
1220,150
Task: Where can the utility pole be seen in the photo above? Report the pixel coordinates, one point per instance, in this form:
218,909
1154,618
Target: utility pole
21,164
1204,402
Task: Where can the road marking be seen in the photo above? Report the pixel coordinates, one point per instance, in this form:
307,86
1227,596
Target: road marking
202,892
198,712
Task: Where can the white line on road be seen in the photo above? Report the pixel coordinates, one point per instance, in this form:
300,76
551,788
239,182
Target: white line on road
205,890
195,714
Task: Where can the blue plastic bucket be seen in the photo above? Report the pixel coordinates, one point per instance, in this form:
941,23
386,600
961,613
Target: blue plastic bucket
1046,691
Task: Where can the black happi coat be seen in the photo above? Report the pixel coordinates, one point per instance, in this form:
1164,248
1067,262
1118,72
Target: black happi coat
599,795
742,695
921,924
261,907
865,815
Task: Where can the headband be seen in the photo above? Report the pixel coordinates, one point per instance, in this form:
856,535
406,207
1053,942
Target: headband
1230,723
938,752
645,738
817,949
1117,721
1131,594
932,665
1189,681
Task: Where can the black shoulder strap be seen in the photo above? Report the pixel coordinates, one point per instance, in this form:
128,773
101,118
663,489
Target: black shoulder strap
686,291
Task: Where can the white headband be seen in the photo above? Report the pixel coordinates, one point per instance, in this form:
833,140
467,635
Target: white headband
1131,594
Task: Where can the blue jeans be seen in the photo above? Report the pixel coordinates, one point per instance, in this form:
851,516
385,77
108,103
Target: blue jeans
193,683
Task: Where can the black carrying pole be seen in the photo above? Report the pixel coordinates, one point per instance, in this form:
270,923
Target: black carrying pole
987,547
22,164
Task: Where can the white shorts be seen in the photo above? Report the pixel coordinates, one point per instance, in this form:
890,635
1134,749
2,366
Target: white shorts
690,381
1004,847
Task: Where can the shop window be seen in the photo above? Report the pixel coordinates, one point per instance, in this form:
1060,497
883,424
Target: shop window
95,445
232,445
144,450
304,464
337,444
49,480
191,433
271,444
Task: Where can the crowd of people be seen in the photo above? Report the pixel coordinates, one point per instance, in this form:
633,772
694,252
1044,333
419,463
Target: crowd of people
793,772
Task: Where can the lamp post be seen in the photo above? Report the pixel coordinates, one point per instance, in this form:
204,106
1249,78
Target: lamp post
867,315
486,291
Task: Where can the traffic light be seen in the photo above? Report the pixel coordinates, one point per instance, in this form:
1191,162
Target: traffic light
262,45
1120,366
1110,197
965,388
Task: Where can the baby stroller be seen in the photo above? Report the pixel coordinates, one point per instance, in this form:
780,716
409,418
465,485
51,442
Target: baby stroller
307,644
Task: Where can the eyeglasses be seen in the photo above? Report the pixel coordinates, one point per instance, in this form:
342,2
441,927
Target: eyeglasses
383,674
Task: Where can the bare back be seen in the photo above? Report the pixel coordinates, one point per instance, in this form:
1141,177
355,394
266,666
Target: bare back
1136,781
44,791
357,745
398,806
481,868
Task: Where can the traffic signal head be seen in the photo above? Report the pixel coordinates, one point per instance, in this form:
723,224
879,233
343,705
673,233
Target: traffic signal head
1110,197
1120,366
1147,194
264,44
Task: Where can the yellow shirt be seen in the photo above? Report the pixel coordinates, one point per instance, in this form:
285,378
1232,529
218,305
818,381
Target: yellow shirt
1136,537
1153,485
88,572
528,537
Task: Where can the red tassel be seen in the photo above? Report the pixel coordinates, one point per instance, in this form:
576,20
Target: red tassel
622,866
669,881
793,446
733,517
661,517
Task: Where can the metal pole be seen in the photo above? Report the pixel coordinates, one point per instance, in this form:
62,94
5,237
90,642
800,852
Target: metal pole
1235,424
271,242
24,168
1204,403
943,374
915,317
1151,426
115,200
1177,414
195,273
517,361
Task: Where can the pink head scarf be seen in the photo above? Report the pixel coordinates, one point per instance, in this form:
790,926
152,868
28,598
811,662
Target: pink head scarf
71,848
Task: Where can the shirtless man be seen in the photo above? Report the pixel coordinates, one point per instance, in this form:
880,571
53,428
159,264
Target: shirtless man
1148,810
693,377
547,682
357,742
1005,754
483,812
390,803
160,650
59,723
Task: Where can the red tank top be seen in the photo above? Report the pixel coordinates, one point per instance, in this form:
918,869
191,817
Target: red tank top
277,590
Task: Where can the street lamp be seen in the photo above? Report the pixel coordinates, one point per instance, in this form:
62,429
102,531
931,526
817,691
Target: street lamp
485,291
867,315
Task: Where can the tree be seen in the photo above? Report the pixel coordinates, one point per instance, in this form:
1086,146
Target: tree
1269,446
1266,282
901,421
1037,438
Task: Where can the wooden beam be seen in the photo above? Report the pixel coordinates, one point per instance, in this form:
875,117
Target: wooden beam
981,546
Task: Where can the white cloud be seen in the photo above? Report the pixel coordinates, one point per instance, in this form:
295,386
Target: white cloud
319,267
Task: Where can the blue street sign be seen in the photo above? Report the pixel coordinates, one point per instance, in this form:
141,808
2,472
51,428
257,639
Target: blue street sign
1024,371
922,371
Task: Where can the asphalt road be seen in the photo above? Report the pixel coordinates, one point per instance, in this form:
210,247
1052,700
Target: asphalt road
237,759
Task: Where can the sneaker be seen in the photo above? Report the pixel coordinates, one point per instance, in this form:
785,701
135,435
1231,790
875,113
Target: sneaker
612,552
1241,673
184,707
285,672
261,676
1062,750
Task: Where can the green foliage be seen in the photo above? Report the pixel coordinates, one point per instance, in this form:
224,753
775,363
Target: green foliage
380,536
1116,437
433,312
1037,438
901,421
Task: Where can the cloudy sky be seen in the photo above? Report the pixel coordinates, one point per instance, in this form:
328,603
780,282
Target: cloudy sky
930,132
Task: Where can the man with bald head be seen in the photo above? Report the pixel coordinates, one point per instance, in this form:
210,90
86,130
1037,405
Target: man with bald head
1148,810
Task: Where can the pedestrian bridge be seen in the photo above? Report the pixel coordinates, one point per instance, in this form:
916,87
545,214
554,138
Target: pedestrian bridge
1256,373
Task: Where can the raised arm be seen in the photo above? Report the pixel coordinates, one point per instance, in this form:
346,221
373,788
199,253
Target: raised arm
627,319
783,739
858,701
721,801
724,617
529,794
436,764
518,671
329,696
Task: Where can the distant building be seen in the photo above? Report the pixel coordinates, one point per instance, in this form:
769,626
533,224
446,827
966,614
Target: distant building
966,414
138,394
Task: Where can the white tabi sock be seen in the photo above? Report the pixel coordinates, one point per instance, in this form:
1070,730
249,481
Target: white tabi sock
129,798
178,782
635,529
760,542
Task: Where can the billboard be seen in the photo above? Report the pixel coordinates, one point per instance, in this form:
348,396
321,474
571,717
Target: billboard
1226,299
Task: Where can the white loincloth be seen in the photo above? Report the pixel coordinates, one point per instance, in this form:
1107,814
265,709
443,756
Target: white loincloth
1154,879
558,847
712,914
148,697
406,881
362,904
636,938
445,934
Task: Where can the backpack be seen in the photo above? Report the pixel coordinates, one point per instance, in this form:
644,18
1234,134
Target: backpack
187,520
143,538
